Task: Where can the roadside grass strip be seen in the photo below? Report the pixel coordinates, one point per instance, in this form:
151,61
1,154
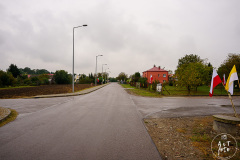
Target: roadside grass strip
177,91
11,117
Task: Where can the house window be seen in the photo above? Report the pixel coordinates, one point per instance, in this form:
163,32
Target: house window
158,75
164,81
164,75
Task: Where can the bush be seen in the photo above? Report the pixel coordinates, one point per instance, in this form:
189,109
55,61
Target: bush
62,77
44,79
143,82
6,79
35,81
86,81
154,85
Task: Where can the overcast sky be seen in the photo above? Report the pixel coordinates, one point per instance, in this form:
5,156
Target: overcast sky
132,35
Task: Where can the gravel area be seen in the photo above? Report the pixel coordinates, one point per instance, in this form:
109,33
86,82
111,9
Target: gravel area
183,138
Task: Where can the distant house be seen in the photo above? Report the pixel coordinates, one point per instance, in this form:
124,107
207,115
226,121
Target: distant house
156,73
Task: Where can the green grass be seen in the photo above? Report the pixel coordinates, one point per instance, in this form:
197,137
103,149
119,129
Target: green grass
140,92
13,115
179,91
16,87
127,86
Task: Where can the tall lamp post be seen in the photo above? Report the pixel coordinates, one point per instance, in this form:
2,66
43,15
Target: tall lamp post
96,71
106,75
73,56
102,72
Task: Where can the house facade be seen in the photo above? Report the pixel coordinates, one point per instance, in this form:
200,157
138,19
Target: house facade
156,73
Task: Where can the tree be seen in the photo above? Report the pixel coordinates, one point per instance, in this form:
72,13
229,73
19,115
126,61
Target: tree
227,65
190,75
189,59
136,76
14,70
42,71
62,77
122,76
193,72
6,79
143,82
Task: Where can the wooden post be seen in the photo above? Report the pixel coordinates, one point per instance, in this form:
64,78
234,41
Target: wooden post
230,97
232,104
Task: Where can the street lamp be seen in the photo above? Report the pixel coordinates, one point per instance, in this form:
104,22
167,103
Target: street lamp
73,56
102,72
96,71
106,75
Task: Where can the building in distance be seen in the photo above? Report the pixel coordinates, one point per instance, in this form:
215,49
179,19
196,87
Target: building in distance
156,73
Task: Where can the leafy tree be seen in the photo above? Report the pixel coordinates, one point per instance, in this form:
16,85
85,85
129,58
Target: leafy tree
189,59
62,77
35,81
136,77
112,79
227,65
28,70
14,70
6,79
44,79
99,75
122,76
143,82
193,72
41,71
83,76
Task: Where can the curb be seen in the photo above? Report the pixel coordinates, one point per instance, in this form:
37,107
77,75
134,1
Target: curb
86,91
4,113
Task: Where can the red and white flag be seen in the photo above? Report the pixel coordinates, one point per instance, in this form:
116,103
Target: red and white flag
150,79
224,80
215,81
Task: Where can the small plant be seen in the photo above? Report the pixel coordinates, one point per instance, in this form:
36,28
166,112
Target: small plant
181,130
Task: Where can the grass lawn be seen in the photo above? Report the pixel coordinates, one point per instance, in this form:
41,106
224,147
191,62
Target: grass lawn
179,91
140,92
17,87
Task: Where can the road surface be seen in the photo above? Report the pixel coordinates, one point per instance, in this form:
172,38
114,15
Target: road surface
105,124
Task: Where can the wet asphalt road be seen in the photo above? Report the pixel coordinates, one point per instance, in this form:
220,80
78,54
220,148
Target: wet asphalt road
105,124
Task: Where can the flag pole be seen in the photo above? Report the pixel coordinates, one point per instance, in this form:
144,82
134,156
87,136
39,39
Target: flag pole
238,84
230,97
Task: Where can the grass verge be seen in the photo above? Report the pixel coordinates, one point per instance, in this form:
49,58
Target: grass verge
140,92
13,115
178,91
17,87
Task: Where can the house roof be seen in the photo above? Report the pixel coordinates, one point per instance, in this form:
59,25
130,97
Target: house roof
156,69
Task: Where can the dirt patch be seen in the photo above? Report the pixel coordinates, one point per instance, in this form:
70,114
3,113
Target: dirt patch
40,90
184,138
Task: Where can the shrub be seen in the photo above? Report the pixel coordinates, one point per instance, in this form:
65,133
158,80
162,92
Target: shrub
154,85
6,79
62,77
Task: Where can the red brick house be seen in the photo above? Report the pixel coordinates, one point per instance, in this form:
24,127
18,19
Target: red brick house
156,73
